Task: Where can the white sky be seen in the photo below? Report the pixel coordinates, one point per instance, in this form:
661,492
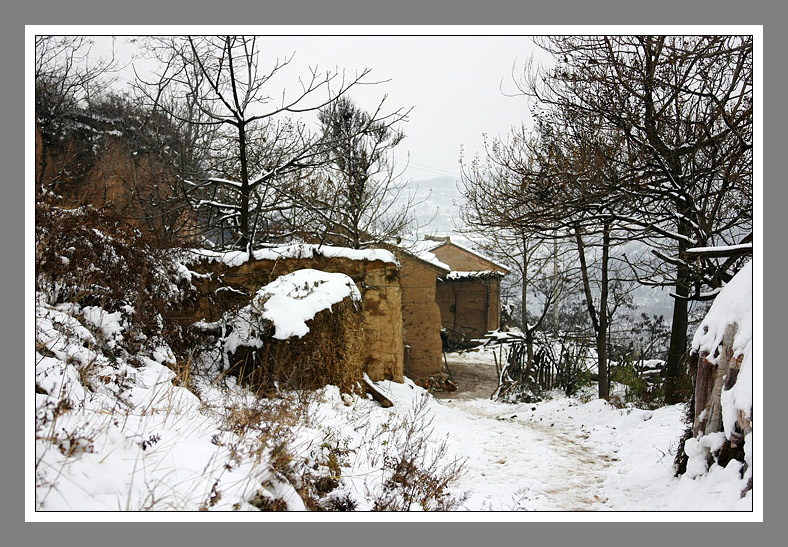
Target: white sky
453,82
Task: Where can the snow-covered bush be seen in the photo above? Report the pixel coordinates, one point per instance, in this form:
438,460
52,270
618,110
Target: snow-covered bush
115,274
303,331
416,474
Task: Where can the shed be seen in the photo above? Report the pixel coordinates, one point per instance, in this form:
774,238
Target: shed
469,297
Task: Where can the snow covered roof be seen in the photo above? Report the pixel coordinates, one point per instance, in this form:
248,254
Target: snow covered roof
421,250
458,275
436,244
300,250
426,245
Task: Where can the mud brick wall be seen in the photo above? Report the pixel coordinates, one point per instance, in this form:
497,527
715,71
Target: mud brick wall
470,305
421,317
230,288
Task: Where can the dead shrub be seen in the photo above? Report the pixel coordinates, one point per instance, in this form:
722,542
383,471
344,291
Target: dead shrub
414,469
92,257
269,422
268,432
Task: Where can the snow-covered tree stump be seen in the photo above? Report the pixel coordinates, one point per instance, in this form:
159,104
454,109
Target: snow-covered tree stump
722,419
713,380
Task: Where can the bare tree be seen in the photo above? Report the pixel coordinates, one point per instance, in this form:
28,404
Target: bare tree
683,104
528,253
358,199
257,146
559,183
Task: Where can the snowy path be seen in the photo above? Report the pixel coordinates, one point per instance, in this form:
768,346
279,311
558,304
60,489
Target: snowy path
535,466
561,468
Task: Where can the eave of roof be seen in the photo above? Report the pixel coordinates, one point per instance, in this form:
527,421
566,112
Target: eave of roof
471,251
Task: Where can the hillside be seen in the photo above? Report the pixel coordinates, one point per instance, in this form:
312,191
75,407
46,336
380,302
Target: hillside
438,208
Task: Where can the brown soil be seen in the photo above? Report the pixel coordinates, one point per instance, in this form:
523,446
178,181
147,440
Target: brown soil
474,380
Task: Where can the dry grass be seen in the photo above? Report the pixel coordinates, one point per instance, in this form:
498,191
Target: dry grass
415,472
330,354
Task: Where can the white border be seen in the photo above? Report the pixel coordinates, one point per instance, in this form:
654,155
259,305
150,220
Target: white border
410,30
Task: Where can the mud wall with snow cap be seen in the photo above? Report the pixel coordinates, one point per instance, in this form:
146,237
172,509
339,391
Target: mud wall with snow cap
230,283
421,317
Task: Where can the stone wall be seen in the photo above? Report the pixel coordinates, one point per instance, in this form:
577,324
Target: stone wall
421,317
232,287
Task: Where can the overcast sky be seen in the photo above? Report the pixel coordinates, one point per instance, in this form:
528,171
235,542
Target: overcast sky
454,84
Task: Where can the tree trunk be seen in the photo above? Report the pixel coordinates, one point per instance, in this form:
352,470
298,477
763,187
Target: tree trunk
712,380
529,334
599,323
674,377
42,164
678,334
245,241
601,335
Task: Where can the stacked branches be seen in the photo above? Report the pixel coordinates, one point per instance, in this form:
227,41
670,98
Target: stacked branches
301,331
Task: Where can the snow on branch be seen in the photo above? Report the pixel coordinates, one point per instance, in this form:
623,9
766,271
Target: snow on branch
721,251
218,205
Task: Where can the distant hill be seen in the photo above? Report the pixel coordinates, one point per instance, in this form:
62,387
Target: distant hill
438,204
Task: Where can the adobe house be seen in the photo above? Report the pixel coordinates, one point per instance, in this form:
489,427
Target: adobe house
469,297
421,316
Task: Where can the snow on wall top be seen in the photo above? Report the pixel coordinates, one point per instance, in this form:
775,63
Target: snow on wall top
293,299
300,250
732,305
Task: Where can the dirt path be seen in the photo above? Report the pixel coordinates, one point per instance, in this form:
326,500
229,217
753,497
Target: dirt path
563,472
475,380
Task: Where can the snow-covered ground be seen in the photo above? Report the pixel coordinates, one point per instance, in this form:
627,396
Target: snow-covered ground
116,431
567,455
168,449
